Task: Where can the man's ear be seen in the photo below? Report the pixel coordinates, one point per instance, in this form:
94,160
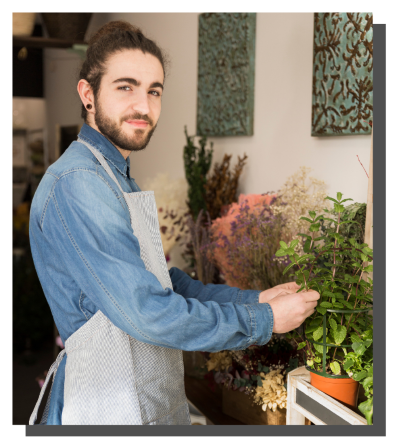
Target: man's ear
86,95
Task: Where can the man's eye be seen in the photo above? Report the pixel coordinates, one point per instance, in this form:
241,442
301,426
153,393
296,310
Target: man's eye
124,88
155,93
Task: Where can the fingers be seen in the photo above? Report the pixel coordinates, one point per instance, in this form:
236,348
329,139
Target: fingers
289,285
309,313
310,306
310,295
283,292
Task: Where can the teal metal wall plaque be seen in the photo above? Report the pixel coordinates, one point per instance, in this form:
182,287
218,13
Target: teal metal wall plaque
225,89
342,88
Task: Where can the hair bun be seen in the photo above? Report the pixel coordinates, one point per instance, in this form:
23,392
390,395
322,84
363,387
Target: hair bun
111,27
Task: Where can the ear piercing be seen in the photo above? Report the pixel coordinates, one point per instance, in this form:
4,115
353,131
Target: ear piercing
88,106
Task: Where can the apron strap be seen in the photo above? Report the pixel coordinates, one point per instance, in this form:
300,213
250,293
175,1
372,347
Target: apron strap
102,160
53,369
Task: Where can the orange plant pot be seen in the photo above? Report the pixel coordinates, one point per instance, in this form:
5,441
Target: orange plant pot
344,390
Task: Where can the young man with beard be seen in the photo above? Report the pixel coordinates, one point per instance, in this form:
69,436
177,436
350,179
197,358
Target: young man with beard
124,319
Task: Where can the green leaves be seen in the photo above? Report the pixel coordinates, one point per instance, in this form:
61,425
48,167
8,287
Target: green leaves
368,382
360,375
262,368
314,227
327,293
280,253
311,328
354,338
333,324
331,199
325,305
318,333
285,250
335,367
339,208
339,334
348,364
366,406
359,348
319,348
306,219
288,267
321,310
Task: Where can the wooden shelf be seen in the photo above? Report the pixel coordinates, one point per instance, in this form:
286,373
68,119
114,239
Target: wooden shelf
209,403
44,42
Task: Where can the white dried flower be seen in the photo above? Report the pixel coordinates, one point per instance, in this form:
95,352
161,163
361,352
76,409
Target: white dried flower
171,196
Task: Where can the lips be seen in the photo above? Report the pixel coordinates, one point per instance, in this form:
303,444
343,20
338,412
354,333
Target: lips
137,123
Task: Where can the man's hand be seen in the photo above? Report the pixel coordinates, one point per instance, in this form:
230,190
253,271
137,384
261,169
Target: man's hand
291,310
279,290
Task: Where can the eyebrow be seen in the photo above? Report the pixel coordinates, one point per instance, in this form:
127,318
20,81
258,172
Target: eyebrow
134,82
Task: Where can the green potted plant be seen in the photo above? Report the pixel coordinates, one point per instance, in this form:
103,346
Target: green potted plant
336,340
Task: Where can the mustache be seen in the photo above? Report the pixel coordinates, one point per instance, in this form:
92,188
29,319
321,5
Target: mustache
138,116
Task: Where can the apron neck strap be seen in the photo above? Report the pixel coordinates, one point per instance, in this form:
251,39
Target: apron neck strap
102,160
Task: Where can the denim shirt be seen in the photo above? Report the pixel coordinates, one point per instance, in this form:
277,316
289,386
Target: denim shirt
88,259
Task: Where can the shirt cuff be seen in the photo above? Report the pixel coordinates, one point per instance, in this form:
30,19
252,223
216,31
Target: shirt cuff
262,323
247,297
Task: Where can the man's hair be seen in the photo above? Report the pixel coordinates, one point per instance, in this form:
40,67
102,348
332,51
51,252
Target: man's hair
109,39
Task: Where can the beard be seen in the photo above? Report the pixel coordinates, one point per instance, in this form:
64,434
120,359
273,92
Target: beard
112,131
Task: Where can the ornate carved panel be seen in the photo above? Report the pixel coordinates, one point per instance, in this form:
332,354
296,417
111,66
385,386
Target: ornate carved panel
342,91
225,92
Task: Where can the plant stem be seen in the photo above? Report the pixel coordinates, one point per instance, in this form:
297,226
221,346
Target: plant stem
305,282
334,247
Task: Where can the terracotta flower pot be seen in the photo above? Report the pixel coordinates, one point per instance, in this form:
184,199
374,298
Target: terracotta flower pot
344,390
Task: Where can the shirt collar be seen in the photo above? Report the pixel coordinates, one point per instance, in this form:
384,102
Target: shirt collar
109,151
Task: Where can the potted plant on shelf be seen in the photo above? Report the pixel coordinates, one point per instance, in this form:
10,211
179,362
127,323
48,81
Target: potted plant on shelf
336,340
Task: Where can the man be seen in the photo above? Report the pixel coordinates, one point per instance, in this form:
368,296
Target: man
95,241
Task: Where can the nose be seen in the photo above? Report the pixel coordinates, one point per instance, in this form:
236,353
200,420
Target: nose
141,102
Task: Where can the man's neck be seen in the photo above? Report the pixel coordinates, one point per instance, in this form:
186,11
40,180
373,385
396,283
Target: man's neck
125,154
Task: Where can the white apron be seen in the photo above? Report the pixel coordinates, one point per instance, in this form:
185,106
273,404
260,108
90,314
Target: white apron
110,377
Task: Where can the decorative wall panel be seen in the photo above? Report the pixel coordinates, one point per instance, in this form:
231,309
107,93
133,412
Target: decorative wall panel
225,92
342,90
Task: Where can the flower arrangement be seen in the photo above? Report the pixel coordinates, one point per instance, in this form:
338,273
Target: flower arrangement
272,393
247,237
244,243
258,371
171,200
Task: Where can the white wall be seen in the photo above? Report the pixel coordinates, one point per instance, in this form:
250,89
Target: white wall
282,123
